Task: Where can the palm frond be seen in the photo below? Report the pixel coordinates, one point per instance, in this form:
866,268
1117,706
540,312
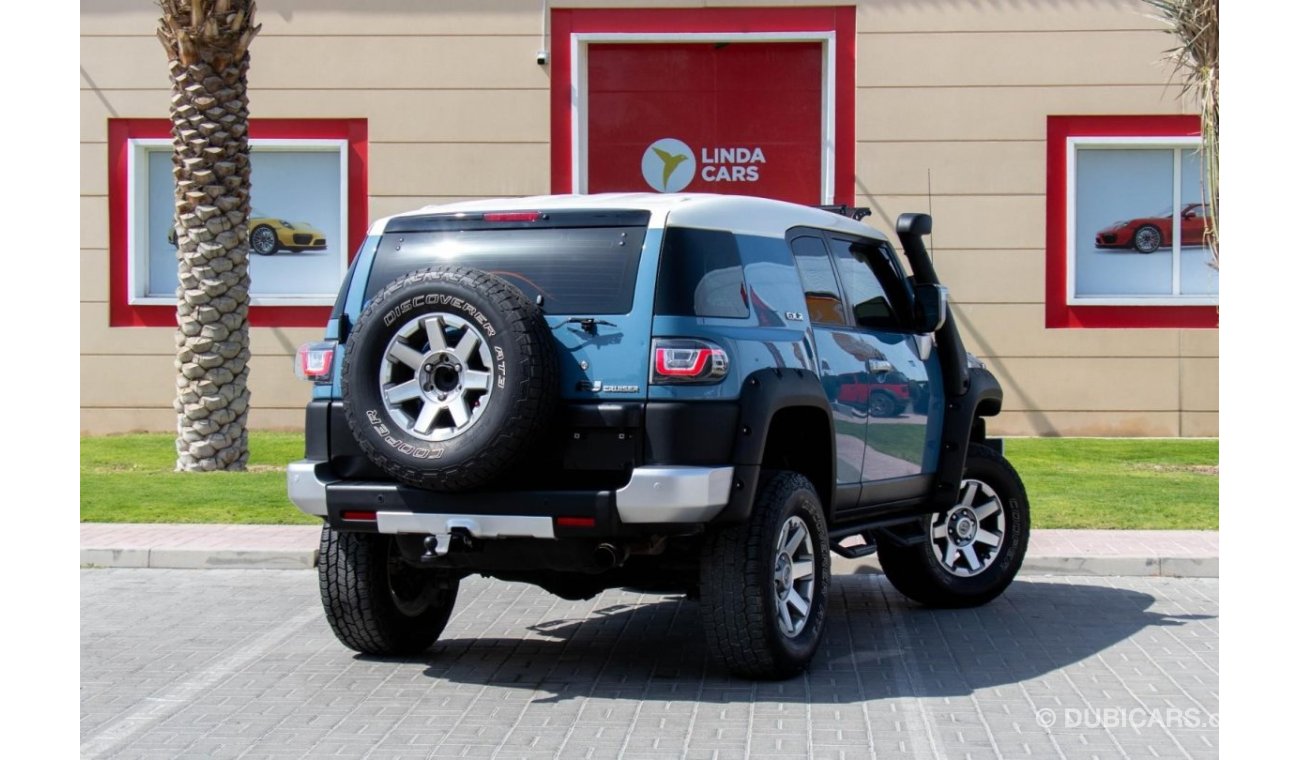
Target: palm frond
1195,25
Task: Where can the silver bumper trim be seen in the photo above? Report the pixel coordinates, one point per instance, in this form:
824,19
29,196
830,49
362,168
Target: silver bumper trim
479,526
307,486
652,495
674,494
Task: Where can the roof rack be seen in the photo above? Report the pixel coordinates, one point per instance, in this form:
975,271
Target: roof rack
856,213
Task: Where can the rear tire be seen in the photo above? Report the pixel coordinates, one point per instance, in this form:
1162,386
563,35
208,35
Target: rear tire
1147,239
939,571
881,404
376,603
755,576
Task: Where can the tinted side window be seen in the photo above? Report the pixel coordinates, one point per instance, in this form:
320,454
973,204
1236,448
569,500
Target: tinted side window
700,275
875,289
819,285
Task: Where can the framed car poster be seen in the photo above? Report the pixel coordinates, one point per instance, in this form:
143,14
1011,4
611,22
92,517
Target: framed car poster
1127,224
1139,222
296,229
303,226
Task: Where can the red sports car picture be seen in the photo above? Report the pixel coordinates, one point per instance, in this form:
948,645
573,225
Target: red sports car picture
1147,234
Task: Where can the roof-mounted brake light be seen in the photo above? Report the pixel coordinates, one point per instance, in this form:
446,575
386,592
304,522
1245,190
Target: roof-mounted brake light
512,216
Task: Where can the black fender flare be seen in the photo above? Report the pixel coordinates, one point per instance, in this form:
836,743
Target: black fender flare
982,399
764,393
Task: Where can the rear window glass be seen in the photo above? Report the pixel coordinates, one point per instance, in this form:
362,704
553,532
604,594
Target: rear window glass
575,270
700,275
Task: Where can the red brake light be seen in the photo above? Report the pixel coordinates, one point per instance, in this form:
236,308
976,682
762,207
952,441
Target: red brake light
512,216
575,522
315,361
683,360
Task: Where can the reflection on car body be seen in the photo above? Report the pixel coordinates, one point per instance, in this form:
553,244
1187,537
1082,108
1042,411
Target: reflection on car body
884,394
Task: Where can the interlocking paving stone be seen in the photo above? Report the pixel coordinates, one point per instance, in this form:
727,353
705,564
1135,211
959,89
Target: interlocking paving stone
240,663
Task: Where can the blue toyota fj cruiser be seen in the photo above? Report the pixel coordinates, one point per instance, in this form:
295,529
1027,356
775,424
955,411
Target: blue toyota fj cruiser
671,393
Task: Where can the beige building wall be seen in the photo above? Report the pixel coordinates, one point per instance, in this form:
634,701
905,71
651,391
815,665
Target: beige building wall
951,106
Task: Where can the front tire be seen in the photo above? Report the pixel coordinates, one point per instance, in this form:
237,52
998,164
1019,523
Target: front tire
376,603
764,582
263,241
972,551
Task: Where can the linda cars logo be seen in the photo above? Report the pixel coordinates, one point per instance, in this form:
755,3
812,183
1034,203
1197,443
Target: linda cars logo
668,165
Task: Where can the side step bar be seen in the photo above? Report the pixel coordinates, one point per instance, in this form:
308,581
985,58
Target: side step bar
868,546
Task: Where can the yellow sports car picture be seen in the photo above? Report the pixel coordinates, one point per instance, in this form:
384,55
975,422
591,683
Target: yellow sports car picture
269,234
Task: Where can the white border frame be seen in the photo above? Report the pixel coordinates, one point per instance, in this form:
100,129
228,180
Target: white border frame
137,235
1072,146
579,42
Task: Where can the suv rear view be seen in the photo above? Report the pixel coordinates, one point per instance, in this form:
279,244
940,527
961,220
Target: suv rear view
693,394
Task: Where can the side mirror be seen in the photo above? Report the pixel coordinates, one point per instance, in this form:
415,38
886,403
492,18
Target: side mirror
930,307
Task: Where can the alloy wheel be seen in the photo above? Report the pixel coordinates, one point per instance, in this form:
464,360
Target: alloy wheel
437,376
263,240
966,539
794,577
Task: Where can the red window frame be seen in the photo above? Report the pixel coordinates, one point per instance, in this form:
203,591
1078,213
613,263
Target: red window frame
1059,312
841,20
122,313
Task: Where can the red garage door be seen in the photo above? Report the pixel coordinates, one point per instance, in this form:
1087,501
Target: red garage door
740,118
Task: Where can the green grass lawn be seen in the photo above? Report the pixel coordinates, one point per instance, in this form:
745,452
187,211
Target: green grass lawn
1131,483
1072,482
129,478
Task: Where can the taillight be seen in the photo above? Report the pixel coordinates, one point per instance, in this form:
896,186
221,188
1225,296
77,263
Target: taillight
315,361
687,360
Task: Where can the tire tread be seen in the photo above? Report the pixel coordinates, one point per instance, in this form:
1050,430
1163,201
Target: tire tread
362,620
735,579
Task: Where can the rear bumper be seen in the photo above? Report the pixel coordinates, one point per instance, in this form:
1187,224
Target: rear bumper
654,495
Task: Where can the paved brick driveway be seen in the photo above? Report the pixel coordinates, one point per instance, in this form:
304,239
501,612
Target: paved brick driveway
240,663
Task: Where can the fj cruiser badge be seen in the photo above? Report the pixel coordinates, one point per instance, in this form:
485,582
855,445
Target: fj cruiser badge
596,386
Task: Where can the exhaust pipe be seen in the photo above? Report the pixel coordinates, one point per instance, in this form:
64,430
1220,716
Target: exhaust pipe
609,556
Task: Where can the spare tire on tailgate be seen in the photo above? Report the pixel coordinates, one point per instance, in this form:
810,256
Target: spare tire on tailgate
448,377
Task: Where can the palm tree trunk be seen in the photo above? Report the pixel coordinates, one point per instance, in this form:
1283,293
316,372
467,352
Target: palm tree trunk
207,42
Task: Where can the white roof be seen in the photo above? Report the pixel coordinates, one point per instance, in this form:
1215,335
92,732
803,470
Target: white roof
736,213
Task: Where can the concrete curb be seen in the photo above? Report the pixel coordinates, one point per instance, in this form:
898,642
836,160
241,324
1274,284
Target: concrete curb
201,559
198,559
1166,567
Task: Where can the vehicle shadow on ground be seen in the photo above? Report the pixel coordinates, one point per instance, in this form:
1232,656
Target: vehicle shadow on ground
877,645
